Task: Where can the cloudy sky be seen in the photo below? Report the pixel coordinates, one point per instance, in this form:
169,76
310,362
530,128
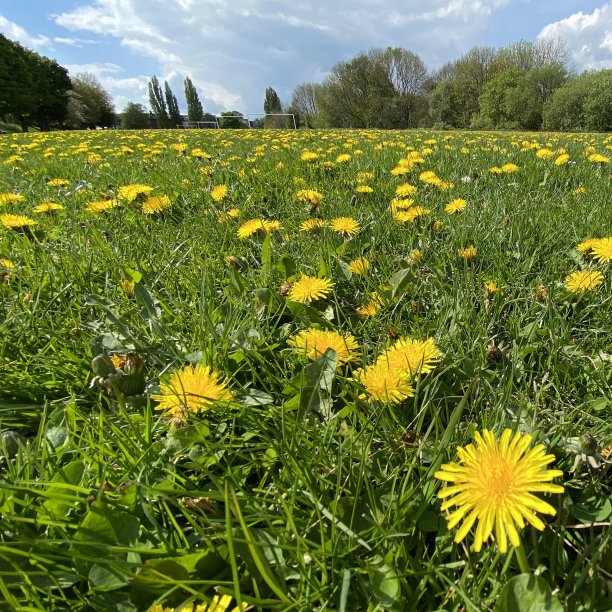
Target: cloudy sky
234,49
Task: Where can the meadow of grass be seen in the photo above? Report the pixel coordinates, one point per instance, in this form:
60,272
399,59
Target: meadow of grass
309,484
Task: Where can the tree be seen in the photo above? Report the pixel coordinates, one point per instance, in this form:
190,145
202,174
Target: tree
444,104
272,105
304,104
195,112
174,114
16,93
231,120
494,107
134,117
91,102
158,104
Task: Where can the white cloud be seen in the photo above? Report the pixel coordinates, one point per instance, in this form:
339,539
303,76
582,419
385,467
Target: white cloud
233,50
74,42
587,36
15,32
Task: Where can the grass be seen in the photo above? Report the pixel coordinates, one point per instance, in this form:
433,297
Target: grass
300,493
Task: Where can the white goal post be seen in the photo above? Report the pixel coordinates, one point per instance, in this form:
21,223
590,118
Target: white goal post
189,125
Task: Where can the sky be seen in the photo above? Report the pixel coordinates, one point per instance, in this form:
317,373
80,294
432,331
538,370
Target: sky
233,49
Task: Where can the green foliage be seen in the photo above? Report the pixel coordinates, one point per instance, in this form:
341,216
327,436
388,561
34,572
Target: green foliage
232,120
134,117
90,104
195,112
158,104
174,114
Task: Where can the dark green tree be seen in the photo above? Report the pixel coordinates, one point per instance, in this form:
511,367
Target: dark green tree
195,112
272,104
158,104
174,114
232,120
134,117
17,85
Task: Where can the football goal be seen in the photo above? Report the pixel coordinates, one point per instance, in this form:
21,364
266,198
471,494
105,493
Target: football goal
190,125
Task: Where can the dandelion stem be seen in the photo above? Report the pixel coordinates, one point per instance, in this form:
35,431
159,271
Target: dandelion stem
521,557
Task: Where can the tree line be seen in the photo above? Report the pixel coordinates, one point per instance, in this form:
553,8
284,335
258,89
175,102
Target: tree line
525,86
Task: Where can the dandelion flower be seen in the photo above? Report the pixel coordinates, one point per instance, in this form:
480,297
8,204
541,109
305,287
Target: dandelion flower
343,158
597,158
372,307
587,245
490,287
583,280
455,206
218,192
308,156
254,226
16,221
493,483
345,225
58,182
134,192
415,255
468,253
412,356
309,195
47,207
602,250
155,204
102,206
364,189
9,198
314,342
562,159
411,214
7,264
385,384
309,289
360,266
509,168
405,190
191,389
311,225
545,153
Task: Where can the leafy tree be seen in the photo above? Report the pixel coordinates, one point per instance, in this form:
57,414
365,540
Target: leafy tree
231,120
91,102
174,114
134,117
304,104
444,104
598,103
16,92
195,112
158,104
272,104
494,99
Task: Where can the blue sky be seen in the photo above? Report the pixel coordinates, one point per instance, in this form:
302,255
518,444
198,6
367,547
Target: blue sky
234,49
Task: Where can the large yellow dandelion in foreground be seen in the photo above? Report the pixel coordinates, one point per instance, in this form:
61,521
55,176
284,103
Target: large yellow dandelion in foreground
310,288
493,483
191,389
134,192
16,221
345,225
314,342
583,280
602,249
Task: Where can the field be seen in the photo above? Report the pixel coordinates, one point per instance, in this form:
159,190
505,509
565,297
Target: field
252,369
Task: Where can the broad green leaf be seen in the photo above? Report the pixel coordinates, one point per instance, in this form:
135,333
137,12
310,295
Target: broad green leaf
384,583
527,593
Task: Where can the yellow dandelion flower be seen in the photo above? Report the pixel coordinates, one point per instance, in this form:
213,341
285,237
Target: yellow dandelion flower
364,189
364,177
191,389
360,266
7,264
218,192
372,307
509,168
132,193
455,206
47,207
545,153
308,156
562,159
9,198
311,225
430,177
597,158
587,245
16,221
438,225
410,214
490,287
253,226
309,289
495,170
309,195
583,280
314,342
102,206
468,253
385,384
494,483
415,255
579,190
155,204
405,190
602,249
343,158
401,204
412,356
58,182
345,225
